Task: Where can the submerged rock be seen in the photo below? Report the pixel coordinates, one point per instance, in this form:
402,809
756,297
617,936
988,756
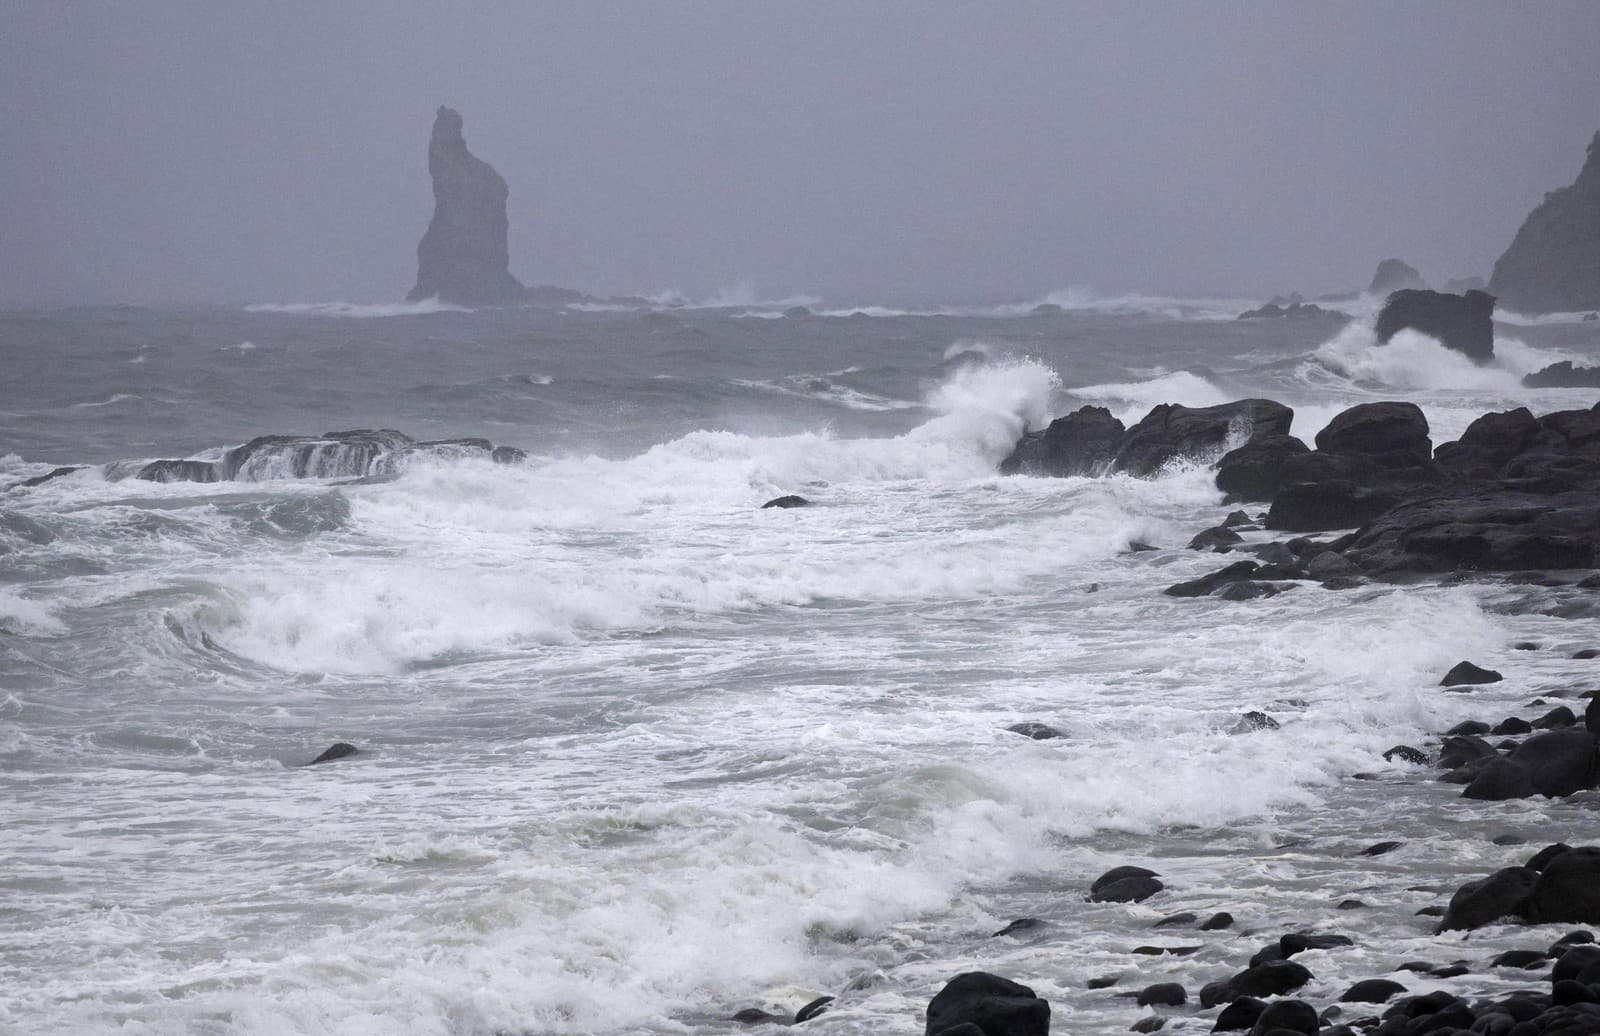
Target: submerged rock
340,750
1464,323
1553,263
786,502
359,453
1465,673
463,258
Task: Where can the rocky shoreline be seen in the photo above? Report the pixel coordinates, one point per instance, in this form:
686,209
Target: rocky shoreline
1517,499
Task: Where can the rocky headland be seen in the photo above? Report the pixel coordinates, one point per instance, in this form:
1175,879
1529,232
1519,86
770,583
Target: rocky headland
1553,264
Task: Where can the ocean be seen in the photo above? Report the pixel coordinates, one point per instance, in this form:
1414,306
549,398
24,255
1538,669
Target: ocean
634,752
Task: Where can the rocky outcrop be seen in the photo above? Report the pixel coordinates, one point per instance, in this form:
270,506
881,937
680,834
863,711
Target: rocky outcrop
463,258
1293,311
1553,264
1170,432
978,1002
1464,323
1563,375
354,454
1394,275
1082,443
1256,470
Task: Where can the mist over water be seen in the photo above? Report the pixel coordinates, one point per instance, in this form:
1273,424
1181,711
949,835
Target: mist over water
636,753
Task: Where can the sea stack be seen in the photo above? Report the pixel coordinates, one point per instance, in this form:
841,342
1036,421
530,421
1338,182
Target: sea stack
1553,264
1395,275
463,257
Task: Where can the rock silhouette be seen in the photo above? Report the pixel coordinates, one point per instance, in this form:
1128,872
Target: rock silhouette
1553,264
463,258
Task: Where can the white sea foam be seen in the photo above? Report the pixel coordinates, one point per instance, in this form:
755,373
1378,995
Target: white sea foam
111,400
22,615
1131,400
356,310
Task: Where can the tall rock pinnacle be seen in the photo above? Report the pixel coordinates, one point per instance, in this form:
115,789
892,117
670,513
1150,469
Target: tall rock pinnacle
1553,264
463,257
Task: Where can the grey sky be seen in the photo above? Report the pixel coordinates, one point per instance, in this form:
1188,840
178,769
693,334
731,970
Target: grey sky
218,151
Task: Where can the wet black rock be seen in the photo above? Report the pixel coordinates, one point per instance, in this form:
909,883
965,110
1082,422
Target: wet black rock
1020,925
1381,848
1270,978
1395,434
52,474
786,502
1560,762
1256,470
1523,959
812,1010
1082,443
1153,1023
1287,1016
1459,751
1464,673
1218,538
1372,991
179,471
1512,725
1133,888
1464,323
1406,754
1487,900
1568,889
1182,920
1499,780
1217,922
1162,994
1556,719
995,1005
1251,722
1299,942
1471,726
1170,432
1036,731
756,1016
340,750
1207,584
1102,982
1240,1015
463,258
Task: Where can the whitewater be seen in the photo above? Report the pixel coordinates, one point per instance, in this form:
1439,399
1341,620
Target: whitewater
635,752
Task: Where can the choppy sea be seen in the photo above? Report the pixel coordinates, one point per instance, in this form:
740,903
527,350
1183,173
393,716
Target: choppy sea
635,753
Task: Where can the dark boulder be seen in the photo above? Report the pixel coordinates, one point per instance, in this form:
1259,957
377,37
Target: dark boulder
1336,504
463,257
1218,538
1464,749
1488,444
1557,718
1499,780
786,502
1287,1016
1406,754
1020,925
1396,433
1131,889
1240,1015
1162,994
1553,264
1082,443
1481,902
1171,431
1464,673
1393,275
1568,890
1269,978
1217,922
1560,762
813,1009
1464,323
997,1006
1372,991
1255,471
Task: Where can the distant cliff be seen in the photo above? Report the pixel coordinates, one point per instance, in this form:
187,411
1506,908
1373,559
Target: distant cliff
1553,264
463,257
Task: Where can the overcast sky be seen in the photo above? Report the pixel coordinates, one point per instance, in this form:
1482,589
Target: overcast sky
236,152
